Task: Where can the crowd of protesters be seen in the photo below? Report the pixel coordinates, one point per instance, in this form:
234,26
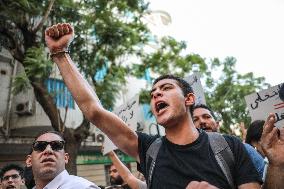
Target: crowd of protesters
192,154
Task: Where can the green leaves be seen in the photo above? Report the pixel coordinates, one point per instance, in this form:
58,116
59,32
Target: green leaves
20,83
37,67
226,92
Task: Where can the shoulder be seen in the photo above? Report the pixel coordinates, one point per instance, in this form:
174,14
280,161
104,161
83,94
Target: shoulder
79,182
145,140
232,140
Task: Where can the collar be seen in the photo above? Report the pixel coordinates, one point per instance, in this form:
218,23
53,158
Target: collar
57,181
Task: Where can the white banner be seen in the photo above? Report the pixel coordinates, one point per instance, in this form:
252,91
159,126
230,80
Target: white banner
195,83
264,102
131,114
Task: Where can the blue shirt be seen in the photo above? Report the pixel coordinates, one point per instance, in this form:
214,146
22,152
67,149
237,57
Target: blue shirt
256,158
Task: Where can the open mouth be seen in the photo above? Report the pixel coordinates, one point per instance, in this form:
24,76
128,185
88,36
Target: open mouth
10,187
47,160
160,106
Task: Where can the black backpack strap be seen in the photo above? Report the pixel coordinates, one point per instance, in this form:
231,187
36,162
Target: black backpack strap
152,152
223,155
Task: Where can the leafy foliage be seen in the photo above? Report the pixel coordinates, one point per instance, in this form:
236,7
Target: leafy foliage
226,93
37,66
21,83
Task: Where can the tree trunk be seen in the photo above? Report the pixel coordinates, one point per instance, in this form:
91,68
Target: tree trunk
74,139
72,148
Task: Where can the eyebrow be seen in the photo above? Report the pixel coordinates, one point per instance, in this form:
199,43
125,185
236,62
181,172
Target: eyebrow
204,114
161,86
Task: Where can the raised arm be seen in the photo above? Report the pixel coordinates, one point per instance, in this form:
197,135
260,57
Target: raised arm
272,143
124,172
58,39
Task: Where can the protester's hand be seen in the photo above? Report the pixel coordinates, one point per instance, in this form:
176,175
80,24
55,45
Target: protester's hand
272,142
200,185
58,37
110,154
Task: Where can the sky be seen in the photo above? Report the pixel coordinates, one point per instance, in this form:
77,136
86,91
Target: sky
252,31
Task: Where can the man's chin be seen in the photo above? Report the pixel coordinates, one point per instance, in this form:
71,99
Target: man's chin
47,173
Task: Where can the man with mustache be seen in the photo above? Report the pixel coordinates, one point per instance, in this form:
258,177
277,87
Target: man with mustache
48,159
12,177
115,178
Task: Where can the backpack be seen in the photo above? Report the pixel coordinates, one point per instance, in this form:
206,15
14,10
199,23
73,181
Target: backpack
219,146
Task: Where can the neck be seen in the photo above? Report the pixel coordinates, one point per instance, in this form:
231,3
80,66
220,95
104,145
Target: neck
40,184
45,179
184,132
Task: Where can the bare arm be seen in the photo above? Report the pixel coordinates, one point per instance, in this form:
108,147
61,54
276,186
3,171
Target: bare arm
252,185
124,172
58,38
272,143
200,185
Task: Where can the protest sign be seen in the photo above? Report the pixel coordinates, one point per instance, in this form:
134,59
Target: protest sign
267,101
131,114
195,83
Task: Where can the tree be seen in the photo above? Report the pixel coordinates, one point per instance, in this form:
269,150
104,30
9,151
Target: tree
106,33
226,93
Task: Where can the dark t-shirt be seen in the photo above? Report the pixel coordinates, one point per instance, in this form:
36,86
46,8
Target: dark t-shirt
177,165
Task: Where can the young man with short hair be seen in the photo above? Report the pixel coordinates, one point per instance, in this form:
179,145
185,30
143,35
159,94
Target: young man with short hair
12,176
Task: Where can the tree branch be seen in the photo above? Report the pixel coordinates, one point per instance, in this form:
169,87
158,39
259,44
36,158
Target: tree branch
48,105
44,17
9,32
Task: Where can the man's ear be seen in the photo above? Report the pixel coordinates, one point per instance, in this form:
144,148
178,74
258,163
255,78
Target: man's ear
66,158
29,161
218,125
189,99
23,181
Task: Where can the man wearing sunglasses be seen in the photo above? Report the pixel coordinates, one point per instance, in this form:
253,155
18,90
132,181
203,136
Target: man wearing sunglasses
48,159
12,177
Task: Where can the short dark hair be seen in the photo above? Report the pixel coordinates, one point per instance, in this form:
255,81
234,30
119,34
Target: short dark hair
204,107
12,166
254,131
53,132
184,85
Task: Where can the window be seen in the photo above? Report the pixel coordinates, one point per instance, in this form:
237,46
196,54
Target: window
61,94
3,72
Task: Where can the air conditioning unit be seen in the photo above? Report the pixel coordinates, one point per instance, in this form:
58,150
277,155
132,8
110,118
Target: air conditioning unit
25,108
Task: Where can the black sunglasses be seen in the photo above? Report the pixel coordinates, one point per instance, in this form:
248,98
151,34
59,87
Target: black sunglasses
55,145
